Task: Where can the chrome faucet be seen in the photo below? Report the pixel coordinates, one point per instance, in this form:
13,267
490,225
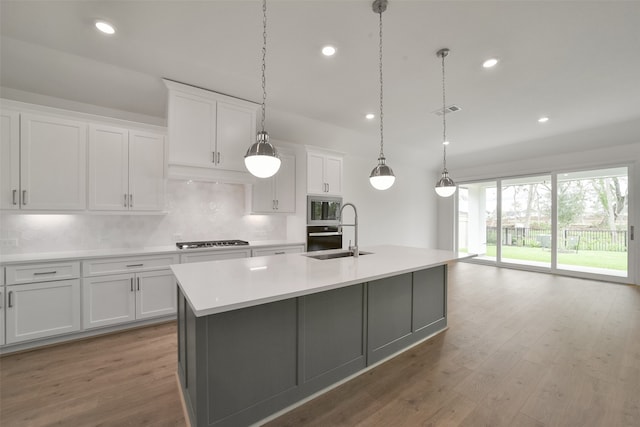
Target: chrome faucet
353,249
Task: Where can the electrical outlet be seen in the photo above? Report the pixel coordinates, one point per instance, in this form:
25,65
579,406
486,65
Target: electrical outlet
177,237
8,243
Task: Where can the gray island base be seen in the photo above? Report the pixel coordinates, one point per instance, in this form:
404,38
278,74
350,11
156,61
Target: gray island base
240,366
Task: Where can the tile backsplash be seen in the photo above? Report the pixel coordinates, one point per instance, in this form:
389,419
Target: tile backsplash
195,211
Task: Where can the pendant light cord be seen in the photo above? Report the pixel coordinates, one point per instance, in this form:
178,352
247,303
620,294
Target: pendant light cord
381,91
264,63
444,119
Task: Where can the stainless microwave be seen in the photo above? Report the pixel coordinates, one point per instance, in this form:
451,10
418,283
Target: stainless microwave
323,210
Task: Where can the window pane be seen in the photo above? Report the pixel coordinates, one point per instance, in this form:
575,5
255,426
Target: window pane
526,221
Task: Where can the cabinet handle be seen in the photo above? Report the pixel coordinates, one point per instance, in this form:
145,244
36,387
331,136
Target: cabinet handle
130,200
218,157
131,281
42,273
13,196
10,302
125,200
213,157
277,204
24,197
135,265
279,253
138,280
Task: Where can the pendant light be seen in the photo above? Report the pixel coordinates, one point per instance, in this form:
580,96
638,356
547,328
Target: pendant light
382,176
445,187
262,158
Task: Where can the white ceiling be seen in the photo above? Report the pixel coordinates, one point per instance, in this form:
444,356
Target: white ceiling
577,62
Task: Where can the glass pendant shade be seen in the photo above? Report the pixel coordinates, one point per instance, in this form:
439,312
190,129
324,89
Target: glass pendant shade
382,177
262,158
445,187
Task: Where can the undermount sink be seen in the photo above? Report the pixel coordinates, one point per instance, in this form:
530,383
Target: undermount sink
342,254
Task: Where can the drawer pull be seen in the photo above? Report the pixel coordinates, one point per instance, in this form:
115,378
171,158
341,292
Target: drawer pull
10,302
42,273
135,265
131,281
138,280
280,253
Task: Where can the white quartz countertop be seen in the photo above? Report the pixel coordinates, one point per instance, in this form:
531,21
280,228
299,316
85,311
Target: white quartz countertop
219,286
117,252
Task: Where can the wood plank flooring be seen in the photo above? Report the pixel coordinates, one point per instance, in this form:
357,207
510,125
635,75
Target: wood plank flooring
522,349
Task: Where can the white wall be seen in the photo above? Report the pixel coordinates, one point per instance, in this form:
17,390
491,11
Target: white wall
404,215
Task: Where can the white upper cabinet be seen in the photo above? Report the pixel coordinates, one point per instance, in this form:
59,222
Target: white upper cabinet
9,160
235,132
126,169
52,163
278,193
146,171
324,173
209,134
192,129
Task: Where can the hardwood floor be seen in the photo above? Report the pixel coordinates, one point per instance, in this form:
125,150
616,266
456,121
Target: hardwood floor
522,349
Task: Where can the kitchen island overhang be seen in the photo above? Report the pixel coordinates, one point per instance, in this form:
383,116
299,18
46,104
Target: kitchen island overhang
258,335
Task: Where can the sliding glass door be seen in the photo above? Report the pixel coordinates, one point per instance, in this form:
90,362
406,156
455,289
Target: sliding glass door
592,226
575,222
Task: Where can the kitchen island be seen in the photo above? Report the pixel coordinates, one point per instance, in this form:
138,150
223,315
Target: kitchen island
257,335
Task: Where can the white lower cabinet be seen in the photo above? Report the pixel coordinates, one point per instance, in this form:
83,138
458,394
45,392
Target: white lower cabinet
43,309
121,298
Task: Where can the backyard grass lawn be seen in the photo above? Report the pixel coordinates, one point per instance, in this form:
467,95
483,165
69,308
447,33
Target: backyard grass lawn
596,259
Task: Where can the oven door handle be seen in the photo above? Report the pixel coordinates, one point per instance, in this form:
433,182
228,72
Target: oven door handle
329,233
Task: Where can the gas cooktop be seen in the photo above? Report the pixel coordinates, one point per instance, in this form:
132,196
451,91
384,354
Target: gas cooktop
210,244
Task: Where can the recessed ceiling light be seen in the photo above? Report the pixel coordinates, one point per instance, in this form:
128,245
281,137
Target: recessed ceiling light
105,27
491,62
328,50
370,116
543,119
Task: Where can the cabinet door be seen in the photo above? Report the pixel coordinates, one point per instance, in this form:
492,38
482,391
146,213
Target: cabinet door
192,129
39,310
146,171
333,174
262,196
236,131
52,163
108,168
9,160
108,300
285,185
156,294
315,174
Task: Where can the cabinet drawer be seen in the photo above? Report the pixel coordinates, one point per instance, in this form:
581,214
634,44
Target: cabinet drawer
280,250
98,267
44,272
215,255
